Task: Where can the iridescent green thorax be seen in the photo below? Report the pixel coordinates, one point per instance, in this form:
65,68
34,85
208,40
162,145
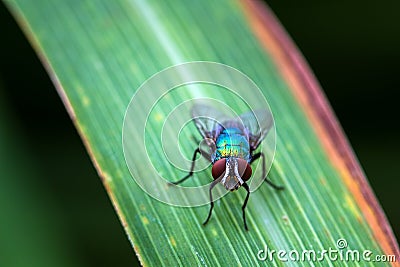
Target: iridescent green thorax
232,142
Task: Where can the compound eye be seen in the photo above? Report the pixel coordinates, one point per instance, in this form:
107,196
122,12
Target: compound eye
218,169
244,169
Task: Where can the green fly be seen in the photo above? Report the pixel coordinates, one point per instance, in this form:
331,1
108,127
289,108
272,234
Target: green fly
232,142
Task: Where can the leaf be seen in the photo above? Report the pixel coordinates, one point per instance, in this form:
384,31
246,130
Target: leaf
98,53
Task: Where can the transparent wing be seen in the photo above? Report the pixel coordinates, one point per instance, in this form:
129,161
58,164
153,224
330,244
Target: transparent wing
258,123
208,120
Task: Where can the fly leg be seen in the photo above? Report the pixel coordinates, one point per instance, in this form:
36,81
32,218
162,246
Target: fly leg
244,205
191,168
255,157
211,201
204,153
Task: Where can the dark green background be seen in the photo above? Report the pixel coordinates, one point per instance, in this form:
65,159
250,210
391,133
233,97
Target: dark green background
53,206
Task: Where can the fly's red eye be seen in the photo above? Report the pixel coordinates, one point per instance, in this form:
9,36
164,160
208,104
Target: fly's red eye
245,170
218,169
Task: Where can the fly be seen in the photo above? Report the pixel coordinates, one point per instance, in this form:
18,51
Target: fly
232,142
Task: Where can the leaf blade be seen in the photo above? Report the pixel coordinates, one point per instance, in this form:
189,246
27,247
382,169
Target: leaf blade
93,58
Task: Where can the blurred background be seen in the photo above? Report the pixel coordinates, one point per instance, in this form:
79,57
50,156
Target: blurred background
54,209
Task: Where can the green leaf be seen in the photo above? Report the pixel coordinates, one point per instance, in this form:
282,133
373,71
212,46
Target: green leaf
98,53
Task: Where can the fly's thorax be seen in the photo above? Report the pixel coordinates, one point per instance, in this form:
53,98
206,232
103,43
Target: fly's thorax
232,142
232,172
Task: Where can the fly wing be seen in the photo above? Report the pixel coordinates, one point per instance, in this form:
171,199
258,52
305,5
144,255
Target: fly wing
258,122
208,120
